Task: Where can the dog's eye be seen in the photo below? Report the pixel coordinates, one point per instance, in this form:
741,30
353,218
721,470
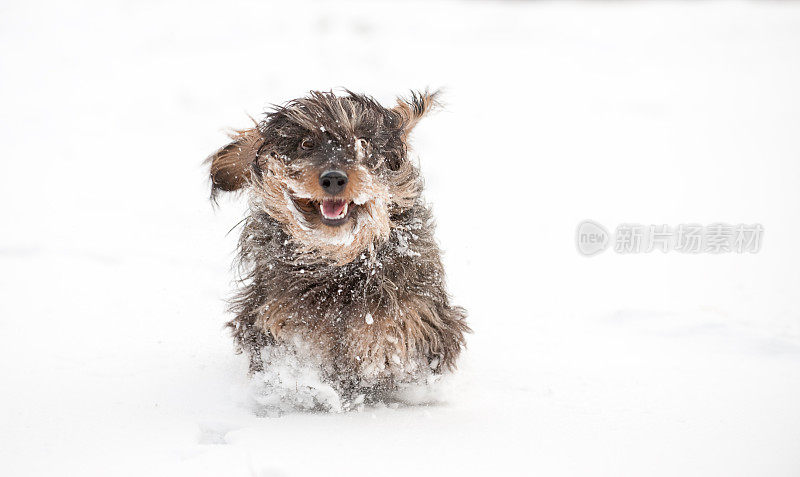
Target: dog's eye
307,143
362,143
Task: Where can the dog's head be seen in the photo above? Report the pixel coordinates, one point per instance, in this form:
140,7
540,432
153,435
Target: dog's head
331,169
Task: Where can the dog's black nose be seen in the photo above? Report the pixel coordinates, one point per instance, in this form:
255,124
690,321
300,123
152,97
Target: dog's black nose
333,181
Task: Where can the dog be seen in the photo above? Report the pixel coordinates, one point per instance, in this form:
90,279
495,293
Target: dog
339,265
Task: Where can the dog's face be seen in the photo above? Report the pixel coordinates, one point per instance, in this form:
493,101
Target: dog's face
331,169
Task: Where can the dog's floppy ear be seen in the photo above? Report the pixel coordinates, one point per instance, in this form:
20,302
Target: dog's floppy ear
411,110
231,165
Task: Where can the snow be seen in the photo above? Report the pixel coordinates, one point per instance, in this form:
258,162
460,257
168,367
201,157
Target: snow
113,356
292,381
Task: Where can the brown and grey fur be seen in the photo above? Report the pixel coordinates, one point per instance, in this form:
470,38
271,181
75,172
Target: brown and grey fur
368,297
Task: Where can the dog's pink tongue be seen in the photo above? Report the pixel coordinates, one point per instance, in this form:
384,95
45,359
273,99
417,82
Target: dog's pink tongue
333,208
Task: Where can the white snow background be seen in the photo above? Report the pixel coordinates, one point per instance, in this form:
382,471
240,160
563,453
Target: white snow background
115,267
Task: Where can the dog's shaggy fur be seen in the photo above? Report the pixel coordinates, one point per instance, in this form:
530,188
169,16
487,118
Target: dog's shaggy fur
365,293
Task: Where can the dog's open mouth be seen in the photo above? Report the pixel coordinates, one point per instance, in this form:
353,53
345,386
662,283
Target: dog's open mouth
335,211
